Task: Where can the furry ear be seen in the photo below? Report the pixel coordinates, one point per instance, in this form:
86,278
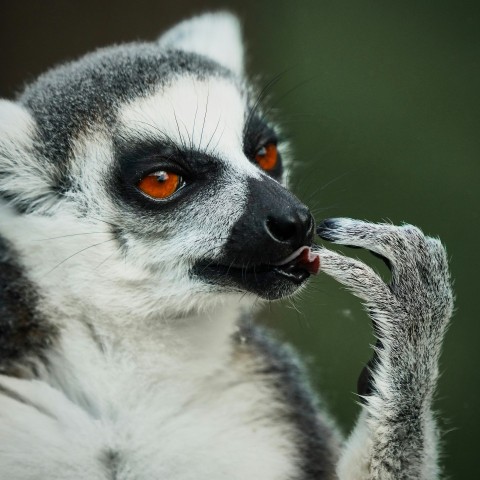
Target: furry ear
24,178
214,35
16,123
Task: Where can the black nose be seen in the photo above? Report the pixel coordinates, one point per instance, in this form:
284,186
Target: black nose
274,224
293,227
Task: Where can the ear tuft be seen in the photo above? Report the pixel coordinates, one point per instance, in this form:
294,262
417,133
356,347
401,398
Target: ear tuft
24,179
214,35
15,121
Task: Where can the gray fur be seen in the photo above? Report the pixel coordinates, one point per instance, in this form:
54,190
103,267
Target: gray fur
410,317
67,100
319,443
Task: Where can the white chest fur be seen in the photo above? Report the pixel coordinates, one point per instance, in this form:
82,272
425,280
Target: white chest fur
112,413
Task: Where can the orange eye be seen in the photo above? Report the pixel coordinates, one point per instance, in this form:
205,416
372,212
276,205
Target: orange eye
160,184
267,157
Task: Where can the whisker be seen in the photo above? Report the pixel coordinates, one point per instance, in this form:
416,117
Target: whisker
213,134
104,261
288,92
74,235
219,139
167,137
76,253
330,182
182,141
193,127
263,92
204,119
104,221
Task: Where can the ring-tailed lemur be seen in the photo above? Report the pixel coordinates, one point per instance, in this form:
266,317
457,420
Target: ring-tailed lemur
143,213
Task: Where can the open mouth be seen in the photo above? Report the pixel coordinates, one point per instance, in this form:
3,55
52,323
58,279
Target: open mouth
299,265
295,269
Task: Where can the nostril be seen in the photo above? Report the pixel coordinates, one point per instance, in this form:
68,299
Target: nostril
282,229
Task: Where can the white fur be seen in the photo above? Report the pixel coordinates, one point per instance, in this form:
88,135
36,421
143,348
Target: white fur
353,463
208,116
20,171
215,35
158,388
16,124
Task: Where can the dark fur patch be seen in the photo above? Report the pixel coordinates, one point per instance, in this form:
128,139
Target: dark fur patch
67,99
110,460
24,334
316,442
85,94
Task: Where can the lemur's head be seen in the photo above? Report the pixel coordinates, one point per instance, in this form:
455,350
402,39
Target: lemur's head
163,148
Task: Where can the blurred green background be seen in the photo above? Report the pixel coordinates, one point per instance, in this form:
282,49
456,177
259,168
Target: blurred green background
380,100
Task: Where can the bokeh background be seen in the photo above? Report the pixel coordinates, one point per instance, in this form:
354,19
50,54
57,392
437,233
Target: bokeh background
381,102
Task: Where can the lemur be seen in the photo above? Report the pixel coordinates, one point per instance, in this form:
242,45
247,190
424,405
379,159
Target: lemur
144,217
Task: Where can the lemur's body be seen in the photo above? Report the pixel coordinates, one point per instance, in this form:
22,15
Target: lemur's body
124,345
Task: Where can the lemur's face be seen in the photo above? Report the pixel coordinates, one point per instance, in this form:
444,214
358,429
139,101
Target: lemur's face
165,146
198,180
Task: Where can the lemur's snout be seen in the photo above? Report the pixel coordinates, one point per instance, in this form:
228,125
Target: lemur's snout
269,250
274,225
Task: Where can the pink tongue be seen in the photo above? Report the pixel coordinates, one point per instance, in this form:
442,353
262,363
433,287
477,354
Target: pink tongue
305,257
310,260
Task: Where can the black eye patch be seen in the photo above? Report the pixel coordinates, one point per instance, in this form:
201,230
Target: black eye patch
257,135
136,159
